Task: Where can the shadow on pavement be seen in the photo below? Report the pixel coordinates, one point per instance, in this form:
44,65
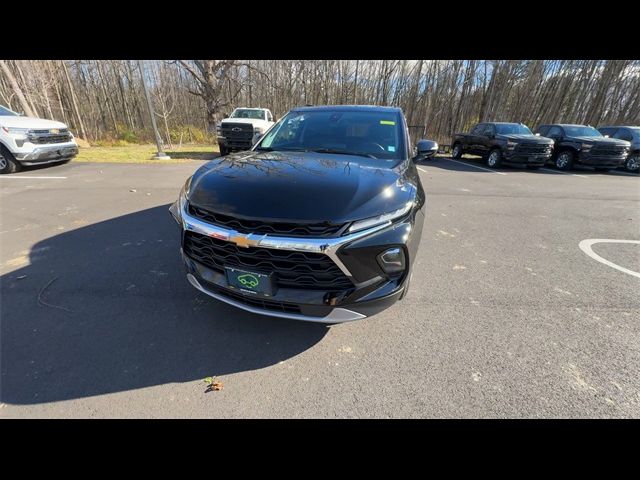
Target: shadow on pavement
206,156
107,308
447,163
463,165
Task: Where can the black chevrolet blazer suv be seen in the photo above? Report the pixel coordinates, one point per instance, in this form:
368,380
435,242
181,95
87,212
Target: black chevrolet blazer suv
319,221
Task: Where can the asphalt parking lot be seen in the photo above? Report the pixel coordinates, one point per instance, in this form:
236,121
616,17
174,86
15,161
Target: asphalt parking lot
507,315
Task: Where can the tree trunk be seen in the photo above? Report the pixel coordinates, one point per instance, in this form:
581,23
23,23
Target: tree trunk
16,89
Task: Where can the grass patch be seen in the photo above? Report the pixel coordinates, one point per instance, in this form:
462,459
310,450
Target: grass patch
132,153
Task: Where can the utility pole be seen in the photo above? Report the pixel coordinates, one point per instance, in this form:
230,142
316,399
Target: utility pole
160,155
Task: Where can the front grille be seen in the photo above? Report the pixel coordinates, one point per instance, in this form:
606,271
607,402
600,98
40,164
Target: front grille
237,135
272,228
258,302
307,270
533,148
607,151
40,137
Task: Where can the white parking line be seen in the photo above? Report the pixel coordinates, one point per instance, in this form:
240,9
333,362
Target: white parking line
475,166
563,173
585,246
30,177
422,170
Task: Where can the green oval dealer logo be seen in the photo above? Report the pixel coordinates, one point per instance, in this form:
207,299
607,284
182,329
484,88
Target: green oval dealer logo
248,280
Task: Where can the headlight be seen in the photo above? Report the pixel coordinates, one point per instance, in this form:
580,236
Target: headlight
259,130
380,219
180,204
511,145
18,132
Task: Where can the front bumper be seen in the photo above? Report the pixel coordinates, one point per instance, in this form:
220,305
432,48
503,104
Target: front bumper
234,145
598,161
524,159
355,254
47,154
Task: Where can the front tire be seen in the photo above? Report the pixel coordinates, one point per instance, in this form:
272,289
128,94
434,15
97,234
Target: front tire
457,151
633,163
8,163
223,151
494,160
564,160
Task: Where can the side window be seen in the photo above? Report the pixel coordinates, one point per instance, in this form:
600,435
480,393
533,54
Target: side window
623,134
555,132
477,130
488,130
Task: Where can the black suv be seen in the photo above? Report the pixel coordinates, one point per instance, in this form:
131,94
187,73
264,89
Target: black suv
630,134
584,145
320,221
499,142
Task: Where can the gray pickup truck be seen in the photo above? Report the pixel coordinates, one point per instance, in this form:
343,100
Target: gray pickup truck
499,142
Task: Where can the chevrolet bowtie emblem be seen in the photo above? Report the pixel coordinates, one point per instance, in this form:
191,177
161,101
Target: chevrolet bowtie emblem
54,130
242,241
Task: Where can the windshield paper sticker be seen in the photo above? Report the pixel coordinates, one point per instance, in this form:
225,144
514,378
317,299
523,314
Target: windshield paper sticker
387,122
391,148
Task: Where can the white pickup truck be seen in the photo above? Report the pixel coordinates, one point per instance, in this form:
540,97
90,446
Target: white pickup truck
32,141
242,128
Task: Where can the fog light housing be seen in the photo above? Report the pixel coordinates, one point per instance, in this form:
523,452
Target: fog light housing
392,261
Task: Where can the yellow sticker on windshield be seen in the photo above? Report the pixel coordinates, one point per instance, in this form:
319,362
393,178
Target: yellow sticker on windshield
387,122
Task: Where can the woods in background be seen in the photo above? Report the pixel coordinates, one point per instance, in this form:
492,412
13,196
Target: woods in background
103,100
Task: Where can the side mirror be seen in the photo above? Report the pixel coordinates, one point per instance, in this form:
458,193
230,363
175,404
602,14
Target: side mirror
225,115
425,149
256,138
537,134
606,136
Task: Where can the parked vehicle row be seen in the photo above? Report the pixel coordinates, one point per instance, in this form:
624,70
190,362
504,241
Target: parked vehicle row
562,145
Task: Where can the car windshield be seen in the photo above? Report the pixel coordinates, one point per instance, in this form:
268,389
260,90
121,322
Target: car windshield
512,128
248,113
6,112
635,131
572,131
373,134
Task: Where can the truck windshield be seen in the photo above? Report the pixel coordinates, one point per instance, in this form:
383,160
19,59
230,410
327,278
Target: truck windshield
248,113
512,128
582,132
6,112
344,132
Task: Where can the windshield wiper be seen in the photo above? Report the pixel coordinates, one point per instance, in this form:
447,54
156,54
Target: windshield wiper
342,152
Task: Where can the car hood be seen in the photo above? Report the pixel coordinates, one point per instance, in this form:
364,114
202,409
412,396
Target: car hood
29,122
601,140
300,186
525,137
